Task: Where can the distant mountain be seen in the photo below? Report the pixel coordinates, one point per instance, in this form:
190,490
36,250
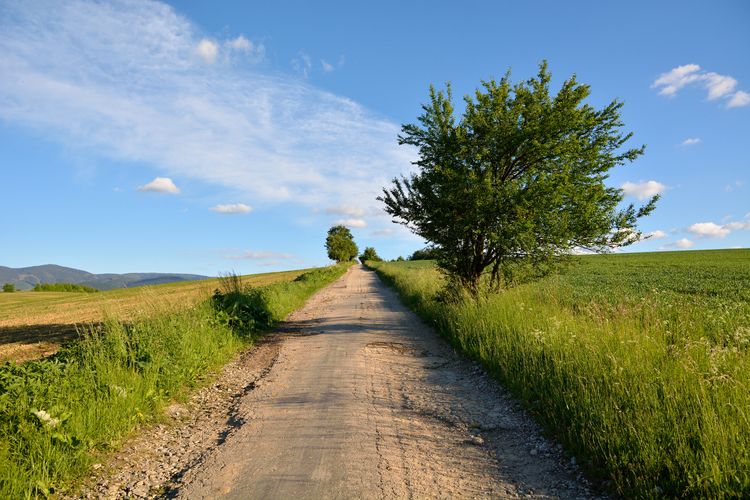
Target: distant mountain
26,277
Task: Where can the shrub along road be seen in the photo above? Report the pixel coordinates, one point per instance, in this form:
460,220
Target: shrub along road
365,401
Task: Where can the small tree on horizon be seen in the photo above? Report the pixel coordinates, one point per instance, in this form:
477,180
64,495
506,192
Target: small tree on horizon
370,254
9,288
340,244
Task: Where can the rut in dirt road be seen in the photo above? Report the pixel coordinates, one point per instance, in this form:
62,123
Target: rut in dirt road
365,401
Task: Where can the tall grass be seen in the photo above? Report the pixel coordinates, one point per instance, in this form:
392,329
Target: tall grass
647,386
59,415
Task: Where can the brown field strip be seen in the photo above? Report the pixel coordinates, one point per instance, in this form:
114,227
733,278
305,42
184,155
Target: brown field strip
33,324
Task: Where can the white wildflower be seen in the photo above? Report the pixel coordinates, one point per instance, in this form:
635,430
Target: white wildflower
46,418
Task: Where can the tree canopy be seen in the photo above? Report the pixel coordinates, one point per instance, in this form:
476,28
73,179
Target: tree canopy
340,244
516,185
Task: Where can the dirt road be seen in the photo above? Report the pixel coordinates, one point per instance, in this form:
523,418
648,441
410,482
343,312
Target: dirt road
365,401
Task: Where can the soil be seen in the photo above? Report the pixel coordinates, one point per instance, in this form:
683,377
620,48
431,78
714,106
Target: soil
352,397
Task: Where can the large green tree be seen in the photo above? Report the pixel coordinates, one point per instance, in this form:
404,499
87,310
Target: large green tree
516,185
340,244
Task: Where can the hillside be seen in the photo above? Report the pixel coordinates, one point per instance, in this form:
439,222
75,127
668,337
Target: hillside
25,278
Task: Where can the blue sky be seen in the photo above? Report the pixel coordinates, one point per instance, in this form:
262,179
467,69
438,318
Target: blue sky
201,137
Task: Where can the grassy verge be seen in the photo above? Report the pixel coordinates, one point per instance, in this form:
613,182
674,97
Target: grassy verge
639,363
60,414
32,325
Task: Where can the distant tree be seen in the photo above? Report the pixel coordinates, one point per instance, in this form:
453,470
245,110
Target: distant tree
9,288
427,253
37,288
400,259
517,184
340,244
369,254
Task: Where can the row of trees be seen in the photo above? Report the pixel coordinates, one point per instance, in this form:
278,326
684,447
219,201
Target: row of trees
63,287
57,287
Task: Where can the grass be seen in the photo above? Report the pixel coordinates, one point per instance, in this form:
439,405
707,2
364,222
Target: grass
637,362
33,324
59,415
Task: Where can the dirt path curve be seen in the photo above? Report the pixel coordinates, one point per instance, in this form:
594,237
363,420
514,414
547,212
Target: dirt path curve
365,401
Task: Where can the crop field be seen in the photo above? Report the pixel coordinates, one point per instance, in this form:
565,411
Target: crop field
33,324
638,363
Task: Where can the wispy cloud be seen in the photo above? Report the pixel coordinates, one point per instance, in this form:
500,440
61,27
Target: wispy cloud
690,142
238,208
126,81
381,232
303,65
269,263
346,210
232,254
682,244
350,223
643,190
717,85
160,185
327,68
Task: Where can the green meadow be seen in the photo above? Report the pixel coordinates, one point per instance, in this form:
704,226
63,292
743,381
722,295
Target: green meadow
638,363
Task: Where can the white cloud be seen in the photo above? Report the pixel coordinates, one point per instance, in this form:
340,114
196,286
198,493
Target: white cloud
710,230
327,68
381,232
690,142
728,189
254,52
654,235
726,218
350,223
259,255
346,210
739,99
743,225
160,185
736,248
683,244
207,51
674,231
717,85
314,210
643,190
121,81
118,190
747,216
237,208
239,43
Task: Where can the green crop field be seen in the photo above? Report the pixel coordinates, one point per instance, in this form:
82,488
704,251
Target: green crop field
638,363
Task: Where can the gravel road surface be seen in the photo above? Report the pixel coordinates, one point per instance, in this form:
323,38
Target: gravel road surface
365,401
351,397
